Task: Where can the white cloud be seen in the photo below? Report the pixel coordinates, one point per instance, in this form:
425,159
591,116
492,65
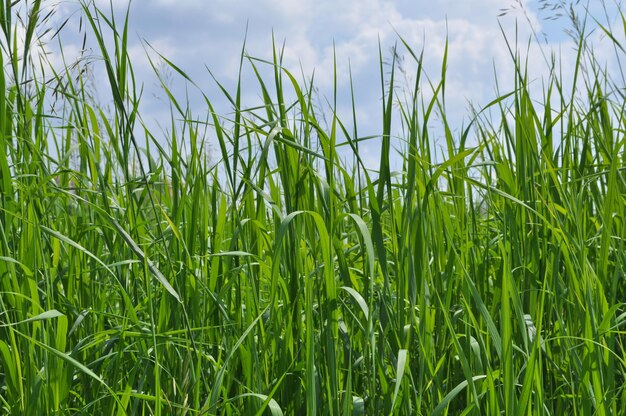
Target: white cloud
195,33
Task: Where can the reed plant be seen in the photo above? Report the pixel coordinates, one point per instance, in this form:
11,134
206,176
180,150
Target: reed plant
142,274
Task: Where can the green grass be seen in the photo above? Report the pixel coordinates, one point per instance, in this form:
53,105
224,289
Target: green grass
139,277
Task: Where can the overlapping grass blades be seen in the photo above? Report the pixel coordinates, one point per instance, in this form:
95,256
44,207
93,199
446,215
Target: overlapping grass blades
140,276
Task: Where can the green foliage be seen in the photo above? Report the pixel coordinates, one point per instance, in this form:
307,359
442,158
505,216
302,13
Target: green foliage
282,280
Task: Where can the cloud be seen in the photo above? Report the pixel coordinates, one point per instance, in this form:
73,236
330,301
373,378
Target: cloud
199,33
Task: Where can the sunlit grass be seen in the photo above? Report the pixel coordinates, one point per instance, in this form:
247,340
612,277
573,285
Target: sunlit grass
271,277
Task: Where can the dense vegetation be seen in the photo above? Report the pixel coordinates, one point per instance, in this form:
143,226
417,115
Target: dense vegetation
278,276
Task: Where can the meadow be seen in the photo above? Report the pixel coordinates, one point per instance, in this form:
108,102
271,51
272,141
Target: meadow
273,275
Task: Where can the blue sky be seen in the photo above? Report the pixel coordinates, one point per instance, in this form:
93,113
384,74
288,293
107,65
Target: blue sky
201,34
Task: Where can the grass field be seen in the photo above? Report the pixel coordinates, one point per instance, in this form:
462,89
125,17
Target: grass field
150,276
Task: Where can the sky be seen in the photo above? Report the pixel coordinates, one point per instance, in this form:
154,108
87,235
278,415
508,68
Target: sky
202,35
